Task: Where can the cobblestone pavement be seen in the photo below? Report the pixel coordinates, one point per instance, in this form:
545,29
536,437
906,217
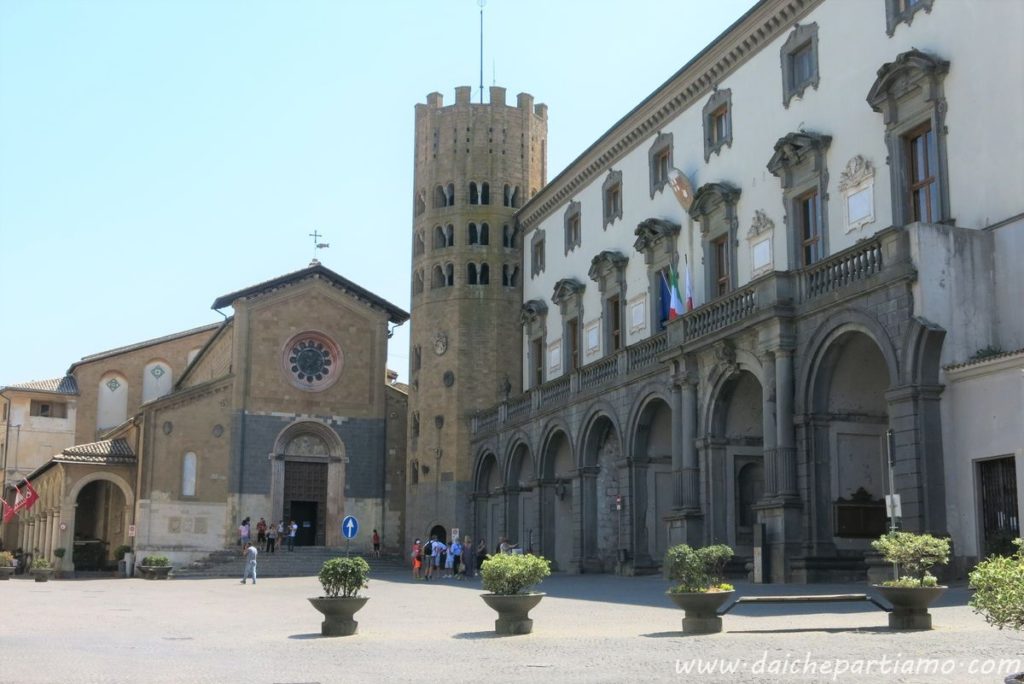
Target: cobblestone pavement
588,628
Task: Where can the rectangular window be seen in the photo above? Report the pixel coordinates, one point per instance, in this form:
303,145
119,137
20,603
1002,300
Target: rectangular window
614,312
720,125
807,209
613,201
802,65
48,409
720,256
537,255
659,168
922,171
537,359
572,341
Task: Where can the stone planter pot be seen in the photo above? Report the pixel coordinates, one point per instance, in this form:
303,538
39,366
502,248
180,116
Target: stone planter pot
338,614
701,610
42,574
155,572
1014,678
6,571
910,605
513,611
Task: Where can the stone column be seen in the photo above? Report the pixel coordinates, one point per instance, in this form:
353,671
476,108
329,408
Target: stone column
691,466
677,443
786,442
769,417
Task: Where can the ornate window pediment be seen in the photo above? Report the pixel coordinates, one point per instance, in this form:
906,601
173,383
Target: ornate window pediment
909,72
607,265
710,197
652,233
566,289
533,312
795,149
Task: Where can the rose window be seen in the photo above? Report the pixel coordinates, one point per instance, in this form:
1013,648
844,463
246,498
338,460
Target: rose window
312,361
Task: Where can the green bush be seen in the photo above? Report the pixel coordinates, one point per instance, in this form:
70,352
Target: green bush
6,559
59,553
914,555
345,576
41,564
155,561
121,550
511,573
998,584
697,570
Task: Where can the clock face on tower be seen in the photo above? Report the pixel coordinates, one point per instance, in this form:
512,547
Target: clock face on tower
312,361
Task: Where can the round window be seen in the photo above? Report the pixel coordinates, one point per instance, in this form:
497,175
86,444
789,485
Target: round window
312,361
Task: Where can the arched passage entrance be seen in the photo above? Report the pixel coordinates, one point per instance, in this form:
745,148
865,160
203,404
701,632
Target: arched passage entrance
848,401
652,480
605,529
558,470
99,517
734,461
521,492
490,522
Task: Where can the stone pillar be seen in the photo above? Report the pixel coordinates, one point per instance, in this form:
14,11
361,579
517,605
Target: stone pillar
786,441
686,524
769,426
47,535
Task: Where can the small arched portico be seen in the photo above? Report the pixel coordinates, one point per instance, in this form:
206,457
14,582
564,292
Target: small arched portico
96,515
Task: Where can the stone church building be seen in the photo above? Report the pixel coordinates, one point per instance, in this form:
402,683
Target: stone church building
284,410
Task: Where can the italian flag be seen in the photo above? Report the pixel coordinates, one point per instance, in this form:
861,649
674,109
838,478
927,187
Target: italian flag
675,306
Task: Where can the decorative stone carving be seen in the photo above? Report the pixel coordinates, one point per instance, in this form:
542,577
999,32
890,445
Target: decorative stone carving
856,172
653,231
532,311
307,445
725,358
760,225
566,288
440,343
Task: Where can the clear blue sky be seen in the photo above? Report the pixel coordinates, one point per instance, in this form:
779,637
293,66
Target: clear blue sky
155,155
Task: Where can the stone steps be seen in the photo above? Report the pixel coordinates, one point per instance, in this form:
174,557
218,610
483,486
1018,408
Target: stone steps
305,561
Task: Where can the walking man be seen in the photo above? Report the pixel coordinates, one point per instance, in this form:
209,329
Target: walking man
250,562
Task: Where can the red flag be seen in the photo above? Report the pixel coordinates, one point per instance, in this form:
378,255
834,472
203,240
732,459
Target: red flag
8,510
31,498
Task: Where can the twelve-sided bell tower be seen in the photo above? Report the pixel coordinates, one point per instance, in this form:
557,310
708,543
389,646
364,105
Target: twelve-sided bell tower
476,164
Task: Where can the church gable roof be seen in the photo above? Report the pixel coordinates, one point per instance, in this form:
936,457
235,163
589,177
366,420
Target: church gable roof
107,452
315,270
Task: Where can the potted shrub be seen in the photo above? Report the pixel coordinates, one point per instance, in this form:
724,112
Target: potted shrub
155,567
41,569
915,588
507,576
59,555
998,584
341,579
6,564
123,553
699,589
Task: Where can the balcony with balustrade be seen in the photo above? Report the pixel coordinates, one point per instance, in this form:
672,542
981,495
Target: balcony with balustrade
871,264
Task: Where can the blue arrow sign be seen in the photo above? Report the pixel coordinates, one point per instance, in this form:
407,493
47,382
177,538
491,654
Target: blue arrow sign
349,527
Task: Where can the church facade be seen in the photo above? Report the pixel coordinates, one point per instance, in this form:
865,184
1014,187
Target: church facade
283,411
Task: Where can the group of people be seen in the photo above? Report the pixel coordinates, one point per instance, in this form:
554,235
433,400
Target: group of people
268,536
456,559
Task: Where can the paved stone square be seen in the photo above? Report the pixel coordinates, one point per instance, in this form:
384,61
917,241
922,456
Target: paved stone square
588,628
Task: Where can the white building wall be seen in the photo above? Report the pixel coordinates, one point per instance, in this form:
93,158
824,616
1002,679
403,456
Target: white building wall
852,45
981,410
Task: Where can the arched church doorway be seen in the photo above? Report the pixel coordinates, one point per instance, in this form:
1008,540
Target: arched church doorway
305,500
100,525
440,533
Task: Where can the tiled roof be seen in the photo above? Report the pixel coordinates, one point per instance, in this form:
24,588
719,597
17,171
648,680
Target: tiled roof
64,385
316,269
983,359
109,451
145,343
